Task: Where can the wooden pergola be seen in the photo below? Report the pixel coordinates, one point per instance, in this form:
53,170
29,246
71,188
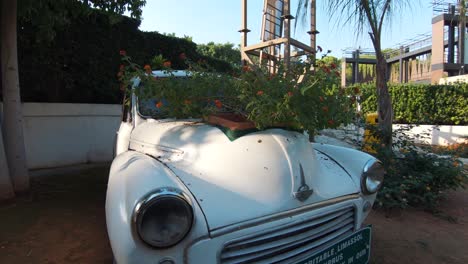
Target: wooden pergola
276,43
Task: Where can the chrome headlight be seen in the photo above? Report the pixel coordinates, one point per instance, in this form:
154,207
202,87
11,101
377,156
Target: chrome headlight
372,176
163,218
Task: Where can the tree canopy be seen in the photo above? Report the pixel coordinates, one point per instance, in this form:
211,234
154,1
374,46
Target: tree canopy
50,15
227,51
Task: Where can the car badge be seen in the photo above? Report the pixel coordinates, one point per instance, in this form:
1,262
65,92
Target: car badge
304,191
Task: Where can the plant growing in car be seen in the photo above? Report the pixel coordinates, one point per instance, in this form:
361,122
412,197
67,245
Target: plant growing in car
302,97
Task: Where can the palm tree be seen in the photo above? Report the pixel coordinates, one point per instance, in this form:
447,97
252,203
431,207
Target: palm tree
369,14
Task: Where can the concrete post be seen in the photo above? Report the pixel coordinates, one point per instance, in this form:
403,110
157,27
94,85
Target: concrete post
437,57
343,72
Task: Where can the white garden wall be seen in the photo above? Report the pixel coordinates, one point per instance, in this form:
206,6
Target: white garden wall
59,134
426,134
437,135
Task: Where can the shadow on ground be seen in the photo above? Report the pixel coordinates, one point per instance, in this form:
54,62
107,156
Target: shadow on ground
62,220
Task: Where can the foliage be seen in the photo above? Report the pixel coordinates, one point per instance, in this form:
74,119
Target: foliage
371,15
50,16
267,100
226,52
415,177
88,47
456,149
422,104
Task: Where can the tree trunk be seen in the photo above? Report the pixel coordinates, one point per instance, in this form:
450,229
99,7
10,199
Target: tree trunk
12,112
6,189
384,102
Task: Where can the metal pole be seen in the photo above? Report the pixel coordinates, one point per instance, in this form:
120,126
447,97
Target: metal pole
461,31
400,61
356,68
451,38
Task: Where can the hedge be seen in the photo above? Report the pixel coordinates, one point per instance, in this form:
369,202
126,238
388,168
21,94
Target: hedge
422,103
80,64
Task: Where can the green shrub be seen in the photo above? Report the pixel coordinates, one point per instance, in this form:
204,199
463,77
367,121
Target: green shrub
79,65
415,177
422,104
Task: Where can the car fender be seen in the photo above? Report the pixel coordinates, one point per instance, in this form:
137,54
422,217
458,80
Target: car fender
132,176
351,160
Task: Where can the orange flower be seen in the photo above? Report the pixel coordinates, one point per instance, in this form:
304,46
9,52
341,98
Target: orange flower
187,102
290,94
325,108
321,98
147,68
246,68
260,92
331,122
159,104
123,53
182,56
167,64
218,103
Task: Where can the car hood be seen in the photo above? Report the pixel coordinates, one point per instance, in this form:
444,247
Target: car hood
256,175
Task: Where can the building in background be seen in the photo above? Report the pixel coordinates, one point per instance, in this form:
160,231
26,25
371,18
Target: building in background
426,58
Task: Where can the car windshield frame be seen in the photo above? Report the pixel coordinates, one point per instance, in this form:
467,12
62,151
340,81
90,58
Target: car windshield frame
152,102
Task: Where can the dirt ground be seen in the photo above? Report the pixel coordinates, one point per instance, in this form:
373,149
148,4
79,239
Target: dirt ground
62,221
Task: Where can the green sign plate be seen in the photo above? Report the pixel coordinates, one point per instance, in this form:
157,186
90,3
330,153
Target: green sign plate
354,249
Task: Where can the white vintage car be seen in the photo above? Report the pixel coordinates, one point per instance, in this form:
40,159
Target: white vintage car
180,191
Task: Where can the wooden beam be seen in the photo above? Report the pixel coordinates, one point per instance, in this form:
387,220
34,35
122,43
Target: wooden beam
244,30
287,32
302,46
266,44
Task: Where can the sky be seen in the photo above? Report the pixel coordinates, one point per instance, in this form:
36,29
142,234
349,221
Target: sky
220,20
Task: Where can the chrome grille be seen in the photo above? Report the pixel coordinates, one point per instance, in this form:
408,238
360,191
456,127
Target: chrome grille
291,241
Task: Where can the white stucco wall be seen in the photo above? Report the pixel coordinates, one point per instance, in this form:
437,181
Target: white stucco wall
59,134
454,79
437,135
427,134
